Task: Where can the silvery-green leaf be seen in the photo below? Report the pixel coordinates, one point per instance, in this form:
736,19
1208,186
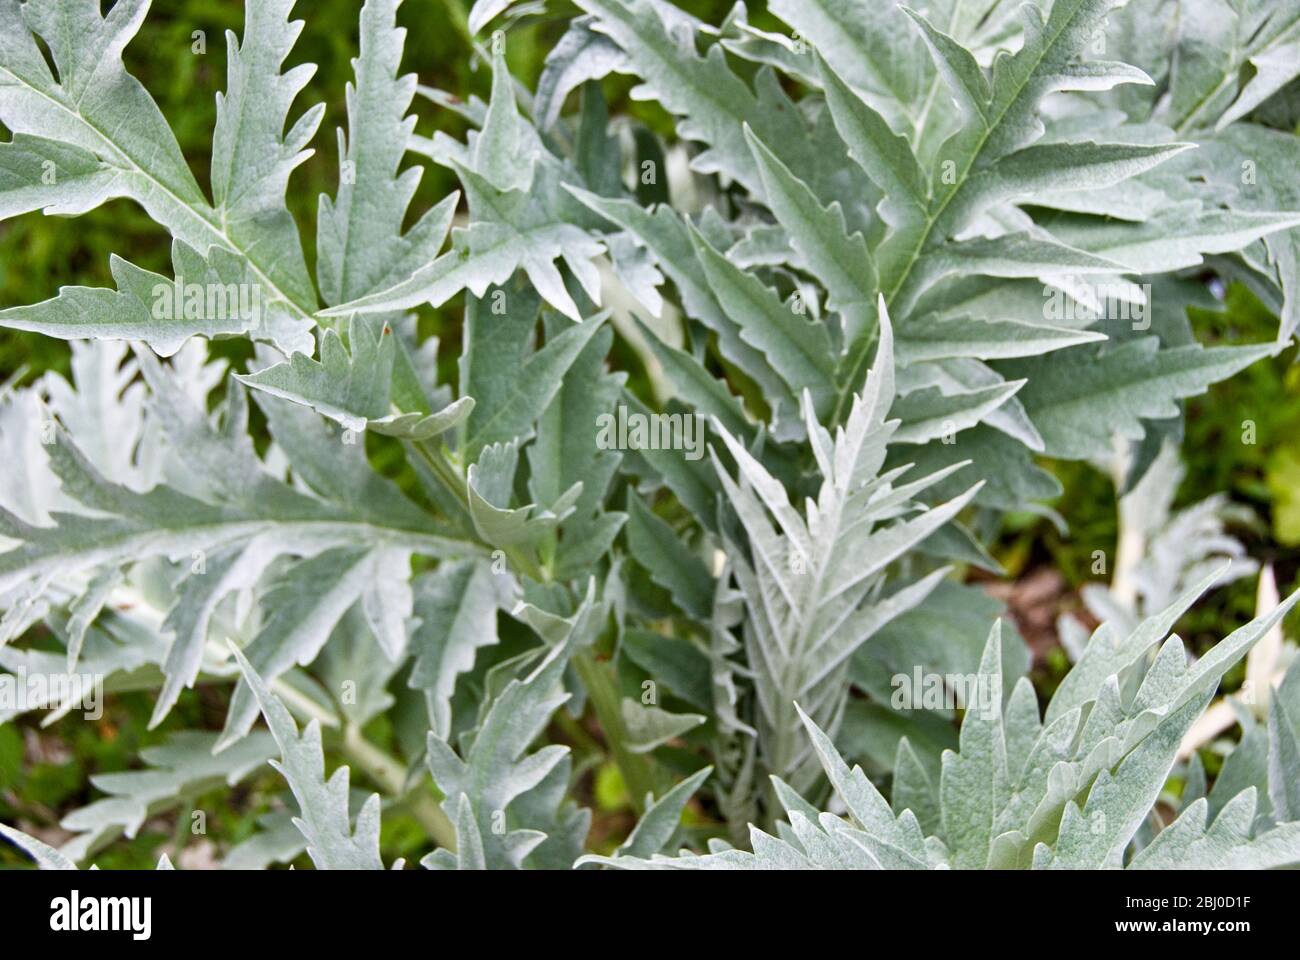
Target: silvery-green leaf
886,157
569,450
163,521
121,649
353,386
183,766
635,267
1175,238
1044,168
228,571
870,46
1012,478
1181,547
947,634
818,234
1000,112
1109,651
1275,65
714,102
304,606
277,841
796,346
46,857
252,155
693,384
488,783
359,240
692,481
675,662
669,562
876,839
648,726
812,584
356,670
1193,843
482,254
914,788
954,337
510,381
489,485
235,515
1269,154
508,230
457,606
1245,767
86,608
1079,398
582,54
483,12
332,842
929,412
94,105
657,825
973,776
1215,44
501,154
1027,253
212,295
668,238
1283,761
1095,836
80,183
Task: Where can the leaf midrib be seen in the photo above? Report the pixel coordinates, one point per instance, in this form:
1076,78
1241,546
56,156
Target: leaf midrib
378,536
933,219
846,388
203,217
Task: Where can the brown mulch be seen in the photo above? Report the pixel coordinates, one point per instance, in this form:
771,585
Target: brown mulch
1035,601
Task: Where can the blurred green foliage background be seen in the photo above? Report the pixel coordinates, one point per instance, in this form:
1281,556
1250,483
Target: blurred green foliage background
44,772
